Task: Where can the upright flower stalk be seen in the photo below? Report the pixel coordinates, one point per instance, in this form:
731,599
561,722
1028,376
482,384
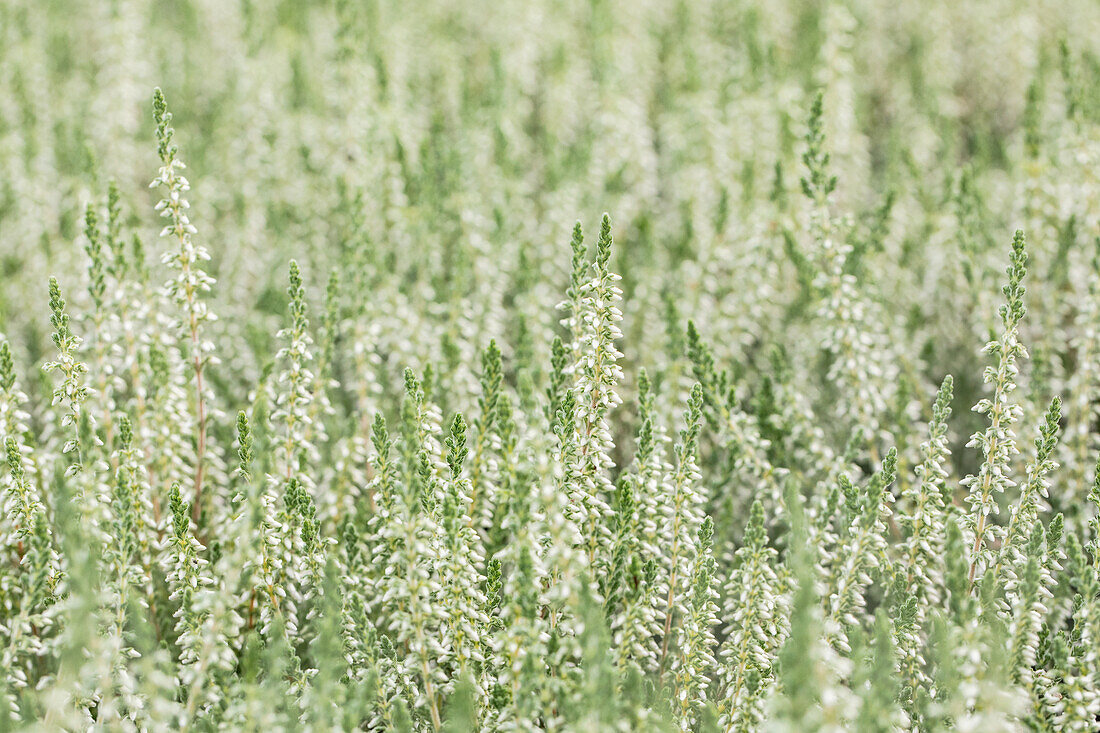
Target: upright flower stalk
190,281
997,442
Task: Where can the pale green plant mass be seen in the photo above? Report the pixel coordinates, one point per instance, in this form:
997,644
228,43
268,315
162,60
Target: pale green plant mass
580,365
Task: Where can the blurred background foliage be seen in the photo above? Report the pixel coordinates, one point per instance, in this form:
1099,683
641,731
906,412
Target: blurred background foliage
436,155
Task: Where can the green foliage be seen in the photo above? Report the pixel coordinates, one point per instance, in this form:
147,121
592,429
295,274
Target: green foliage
389,445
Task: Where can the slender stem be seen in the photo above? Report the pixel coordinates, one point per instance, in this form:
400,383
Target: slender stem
190,294
668,618
987,487
429,689
200,452
197,364
978,532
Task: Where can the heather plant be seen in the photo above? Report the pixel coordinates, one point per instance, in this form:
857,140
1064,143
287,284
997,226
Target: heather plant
374,420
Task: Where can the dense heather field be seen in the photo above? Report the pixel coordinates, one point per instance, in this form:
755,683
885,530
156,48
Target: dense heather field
347,425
